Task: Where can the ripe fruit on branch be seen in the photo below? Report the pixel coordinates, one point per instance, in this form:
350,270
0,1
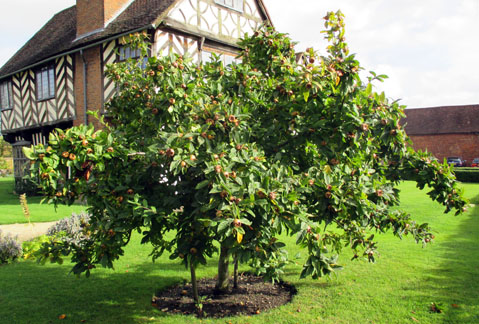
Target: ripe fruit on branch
218,169
237,223
65,154
170,152
261,194
272,195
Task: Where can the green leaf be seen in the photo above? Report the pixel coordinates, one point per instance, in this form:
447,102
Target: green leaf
306,96
202,184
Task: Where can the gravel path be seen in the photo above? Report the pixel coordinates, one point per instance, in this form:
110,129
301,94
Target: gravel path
27,231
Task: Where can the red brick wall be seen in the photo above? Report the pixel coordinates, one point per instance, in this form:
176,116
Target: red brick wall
92,14
442,146
89,16
94,85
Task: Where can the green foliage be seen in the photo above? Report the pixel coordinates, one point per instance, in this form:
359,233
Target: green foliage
467,174
71,231
238,155
10,249
5,149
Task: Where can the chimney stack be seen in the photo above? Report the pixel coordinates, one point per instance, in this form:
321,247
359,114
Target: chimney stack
94,15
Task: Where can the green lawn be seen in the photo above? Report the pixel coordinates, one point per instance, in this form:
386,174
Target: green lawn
397,289
11,212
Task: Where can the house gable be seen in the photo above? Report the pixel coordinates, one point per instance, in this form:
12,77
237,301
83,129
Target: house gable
211,19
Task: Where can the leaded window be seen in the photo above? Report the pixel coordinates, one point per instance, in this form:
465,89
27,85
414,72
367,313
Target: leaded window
6,101
233,4
45,82
126,52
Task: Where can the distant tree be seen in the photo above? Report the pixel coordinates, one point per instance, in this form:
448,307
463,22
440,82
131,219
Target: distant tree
5,148
237,155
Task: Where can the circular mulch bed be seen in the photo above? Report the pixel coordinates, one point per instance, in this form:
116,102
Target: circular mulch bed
252,296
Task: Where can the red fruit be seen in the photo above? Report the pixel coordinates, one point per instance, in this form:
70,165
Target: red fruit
72,156
155,111
193,250
172,101
218,168
130,191
110,149
65,154
272,195
170,152
192,157
183,164
327,195
379,193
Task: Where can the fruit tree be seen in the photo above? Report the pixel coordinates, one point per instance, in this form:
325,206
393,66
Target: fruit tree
230,157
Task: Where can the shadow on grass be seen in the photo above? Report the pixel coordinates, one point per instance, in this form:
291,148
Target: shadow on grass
32,293
456,280
453,282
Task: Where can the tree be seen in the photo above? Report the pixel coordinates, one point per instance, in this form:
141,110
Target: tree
238,155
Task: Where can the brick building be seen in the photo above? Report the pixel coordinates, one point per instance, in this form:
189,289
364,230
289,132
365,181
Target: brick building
59,74
445,131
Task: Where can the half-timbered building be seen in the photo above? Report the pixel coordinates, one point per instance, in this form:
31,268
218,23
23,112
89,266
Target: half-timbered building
59,74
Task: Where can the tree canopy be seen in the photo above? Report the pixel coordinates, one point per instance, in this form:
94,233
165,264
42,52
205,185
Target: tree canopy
231,157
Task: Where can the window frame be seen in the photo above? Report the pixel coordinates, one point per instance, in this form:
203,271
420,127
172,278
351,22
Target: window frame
8,85
50,83
236,5
122,57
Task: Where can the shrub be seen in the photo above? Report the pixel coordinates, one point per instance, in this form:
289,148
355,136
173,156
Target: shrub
467,174
71,228
30,248
10,249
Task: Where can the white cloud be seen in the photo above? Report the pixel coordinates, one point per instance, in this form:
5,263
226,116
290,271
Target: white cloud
428,48
21,19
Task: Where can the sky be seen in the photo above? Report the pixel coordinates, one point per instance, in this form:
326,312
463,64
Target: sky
428,48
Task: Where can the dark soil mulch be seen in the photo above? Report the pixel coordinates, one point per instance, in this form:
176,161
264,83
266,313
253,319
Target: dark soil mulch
253,296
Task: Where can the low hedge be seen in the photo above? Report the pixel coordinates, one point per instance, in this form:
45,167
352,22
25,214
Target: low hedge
467,174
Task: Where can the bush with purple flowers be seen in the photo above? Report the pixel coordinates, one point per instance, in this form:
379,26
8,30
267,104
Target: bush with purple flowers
10,249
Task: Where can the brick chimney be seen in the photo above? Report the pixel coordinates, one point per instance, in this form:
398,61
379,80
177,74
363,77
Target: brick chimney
94,15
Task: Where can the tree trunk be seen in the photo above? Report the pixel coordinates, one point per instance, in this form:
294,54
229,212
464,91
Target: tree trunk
194,283
235,273
223,275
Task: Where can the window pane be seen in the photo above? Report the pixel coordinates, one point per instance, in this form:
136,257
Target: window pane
51,76
239,4
38,80
3,96
205,56
44,84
